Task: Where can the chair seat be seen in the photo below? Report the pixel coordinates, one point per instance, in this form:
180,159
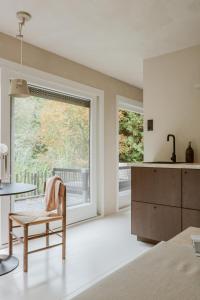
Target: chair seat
35,217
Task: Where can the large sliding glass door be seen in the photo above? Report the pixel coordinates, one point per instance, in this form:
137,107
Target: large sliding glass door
51,134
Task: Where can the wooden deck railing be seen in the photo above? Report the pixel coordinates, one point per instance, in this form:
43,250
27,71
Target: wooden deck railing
76,180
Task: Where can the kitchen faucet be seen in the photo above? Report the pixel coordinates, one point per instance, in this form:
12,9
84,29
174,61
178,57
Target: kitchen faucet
173,158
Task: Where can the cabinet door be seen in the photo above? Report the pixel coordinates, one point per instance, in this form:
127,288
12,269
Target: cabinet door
156,185
190,217
143,184
191,188
155,222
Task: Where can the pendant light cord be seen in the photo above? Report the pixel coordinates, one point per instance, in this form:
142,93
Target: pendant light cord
21,56
20,36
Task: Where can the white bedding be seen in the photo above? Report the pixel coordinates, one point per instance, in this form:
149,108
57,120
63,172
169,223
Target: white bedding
169,271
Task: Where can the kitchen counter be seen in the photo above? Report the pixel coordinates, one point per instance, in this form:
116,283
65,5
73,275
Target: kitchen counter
165,165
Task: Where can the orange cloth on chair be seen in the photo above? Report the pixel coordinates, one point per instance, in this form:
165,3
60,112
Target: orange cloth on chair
54,192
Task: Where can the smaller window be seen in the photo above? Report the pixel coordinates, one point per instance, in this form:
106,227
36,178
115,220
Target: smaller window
131,148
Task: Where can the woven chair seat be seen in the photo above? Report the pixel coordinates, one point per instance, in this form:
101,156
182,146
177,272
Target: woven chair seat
35,217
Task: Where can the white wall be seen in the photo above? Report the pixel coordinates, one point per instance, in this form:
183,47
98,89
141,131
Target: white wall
171,100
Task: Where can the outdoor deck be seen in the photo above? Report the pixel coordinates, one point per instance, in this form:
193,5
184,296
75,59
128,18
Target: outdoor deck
77,183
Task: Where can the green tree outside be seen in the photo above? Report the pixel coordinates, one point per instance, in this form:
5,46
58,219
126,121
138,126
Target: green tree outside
131,148
49,134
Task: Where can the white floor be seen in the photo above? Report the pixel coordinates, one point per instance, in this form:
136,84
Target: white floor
95,249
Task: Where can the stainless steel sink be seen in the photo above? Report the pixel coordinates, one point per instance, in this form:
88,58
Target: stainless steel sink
164,162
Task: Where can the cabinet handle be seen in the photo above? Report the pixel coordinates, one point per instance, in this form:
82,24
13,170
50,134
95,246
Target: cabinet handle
185,172
154,170
155,207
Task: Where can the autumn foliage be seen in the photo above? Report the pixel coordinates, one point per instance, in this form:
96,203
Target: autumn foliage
49,134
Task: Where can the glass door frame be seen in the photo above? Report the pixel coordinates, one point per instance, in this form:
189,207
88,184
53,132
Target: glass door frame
84,210
38,78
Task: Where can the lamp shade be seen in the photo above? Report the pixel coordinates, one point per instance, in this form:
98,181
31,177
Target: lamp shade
19,88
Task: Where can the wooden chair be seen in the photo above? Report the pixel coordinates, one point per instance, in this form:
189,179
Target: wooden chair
26,219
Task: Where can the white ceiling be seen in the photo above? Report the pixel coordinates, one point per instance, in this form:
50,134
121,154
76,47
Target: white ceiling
111,36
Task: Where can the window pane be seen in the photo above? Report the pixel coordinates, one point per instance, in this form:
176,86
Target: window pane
131,149
131,132
50,137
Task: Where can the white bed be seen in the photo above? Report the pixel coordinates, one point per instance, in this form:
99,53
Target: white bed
169,271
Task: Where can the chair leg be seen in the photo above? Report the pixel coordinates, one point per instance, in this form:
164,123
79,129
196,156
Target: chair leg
47,236
10,237
63,240
25,248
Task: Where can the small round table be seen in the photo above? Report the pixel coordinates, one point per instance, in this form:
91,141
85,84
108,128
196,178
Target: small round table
9,263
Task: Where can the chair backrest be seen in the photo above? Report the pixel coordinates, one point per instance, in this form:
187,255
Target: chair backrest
63,199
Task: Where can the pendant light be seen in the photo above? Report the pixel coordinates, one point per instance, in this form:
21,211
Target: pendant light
19,87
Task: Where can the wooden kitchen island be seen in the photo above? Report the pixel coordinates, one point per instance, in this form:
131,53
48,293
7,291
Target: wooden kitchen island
165,199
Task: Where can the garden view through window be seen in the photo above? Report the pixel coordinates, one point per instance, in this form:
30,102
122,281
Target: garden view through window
131,149
51,136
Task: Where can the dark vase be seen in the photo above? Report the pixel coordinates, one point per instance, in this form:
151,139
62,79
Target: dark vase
189,154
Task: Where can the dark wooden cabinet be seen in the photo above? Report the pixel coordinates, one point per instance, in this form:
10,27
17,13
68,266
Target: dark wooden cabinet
155,222
191,188
165,201
190,217
142,184
157,185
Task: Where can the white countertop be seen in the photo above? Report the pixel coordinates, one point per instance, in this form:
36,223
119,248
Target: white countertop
170,165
